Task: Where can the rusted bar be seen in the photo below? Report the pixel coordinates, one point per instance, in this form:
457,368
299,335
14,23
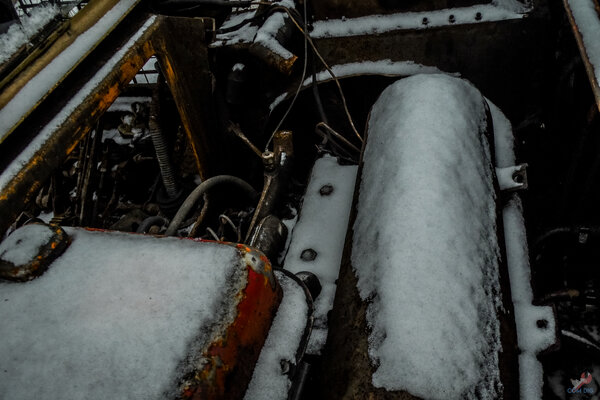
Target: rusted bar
183,57
79,24
24,185
589,67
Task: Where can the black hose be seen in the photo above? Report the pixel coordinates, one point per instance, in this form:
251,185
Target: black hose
149,222
193,197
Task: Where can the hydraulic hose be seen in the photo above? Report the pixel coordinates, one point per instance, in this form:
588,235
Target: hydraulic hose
193,197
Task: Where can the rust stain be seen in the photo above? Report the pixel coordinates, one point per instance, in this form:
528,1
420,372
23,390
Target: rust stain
231,358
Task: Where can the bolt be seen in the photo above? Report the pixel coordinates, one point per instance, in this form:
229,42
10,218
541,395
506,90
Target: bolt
542,323
425,21
308,255
326,190
268,160
452,18
478,16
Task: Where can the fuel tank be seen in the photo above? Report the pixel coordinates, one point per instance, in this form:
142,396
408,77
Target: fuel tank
423,307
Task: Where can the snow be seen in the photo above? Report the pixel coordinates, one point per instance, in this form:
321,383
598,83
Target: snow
377,24
235,19
38,142
20,34
380,67
427,259
322,227
588,24
117,316
23,245
268,382
267,35
39,86
531,338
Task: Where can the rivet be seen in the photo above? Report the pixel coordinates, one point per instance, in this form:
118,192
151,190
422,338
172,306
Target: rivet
308,255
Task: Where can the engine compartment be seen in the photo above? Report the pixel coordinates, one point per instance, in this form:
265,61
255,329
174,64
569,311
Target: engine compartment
212,120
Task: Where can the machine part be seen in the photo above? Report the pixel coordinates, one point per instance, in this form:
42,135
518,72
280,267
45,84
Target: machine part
68,325
235,129
149,222
277,169
268,47
269,237
312,283
208,184
160,146
237,91
308,255
28,252
318,237
511,179
170,39
377,331
285,345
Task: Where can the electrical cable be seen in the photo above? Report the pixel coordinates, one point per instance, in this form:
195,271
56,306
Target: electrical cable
329,70
300,84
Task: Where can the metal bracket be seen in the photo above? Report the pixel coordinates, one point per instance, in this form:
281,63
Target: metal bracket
511,179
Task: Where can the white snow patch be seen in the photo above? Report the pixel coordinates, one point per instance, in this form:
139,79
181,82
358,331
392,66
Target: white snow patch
23,245
268,382
322,227
40,85
267,35
377,24
38,142
237,18
20,34
115,317
588,24
424,245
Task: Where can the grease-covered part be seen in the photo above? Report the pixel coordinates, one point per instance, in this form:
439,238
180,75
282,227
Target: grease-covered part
85,327
28,252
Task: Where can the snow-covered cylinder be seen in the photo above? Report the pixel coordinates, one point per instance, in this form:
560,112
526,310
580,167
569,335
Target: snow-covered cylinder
423,277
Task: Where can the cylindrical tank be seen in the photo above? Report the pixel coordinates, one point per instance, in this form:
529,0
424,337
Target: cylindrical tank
423,304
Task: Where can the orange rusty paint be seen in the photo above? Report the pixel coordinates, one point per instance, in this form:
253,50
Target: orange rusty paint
171,77
232,357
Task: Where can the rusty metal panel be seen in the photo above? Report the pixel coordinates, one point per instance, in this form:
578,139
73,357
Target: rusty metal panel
63,138
80,23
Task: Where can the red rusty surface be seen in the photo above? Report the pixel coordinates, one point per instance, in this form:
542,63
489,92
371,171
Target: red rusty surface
231,358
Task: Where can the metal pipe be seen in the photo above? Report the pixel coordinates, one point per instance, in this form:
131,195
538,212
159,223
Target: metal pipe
149,222
193,197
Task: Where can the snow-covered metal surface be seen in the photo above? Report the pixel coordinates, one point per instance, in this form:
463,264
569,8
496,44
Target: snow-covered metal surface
38,87
322,228
25,101
116,316
20,34
269,380
23,245
532,338
424,248
377,24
